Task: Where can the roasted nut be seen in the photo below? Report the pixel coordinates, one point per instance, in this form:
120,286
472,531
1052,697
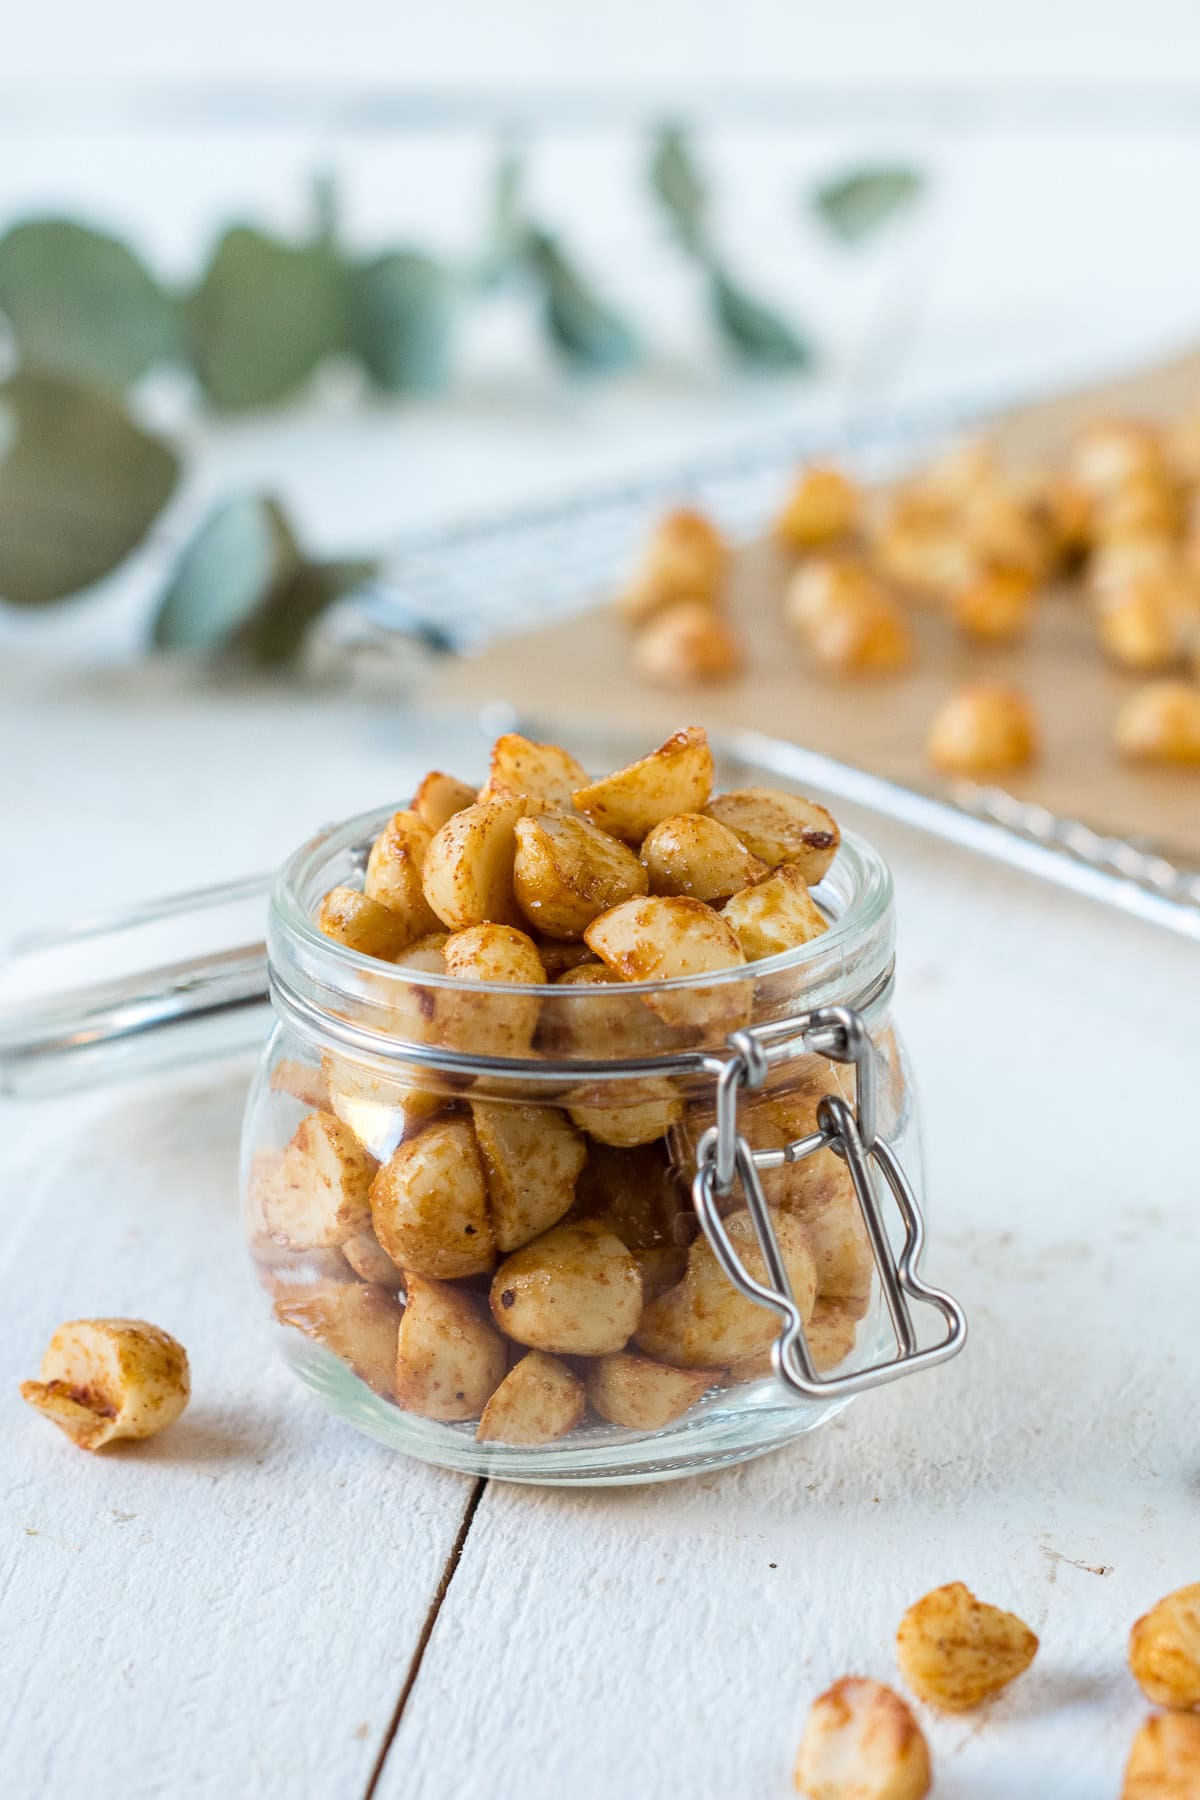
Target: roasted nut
609,1024
1144,622
927,558
626,1114
103,1379
290,1076
641,1394
439,797
394,872
831,1334
357,1322
468,866
675,778
567,872
861,1742
539,1400
1160,723
996,607
1108,453
532,1156
686,558
823,505
575,1291
847,620
380,1111
544,773
362,924
686,644
695,855
1164,1650
371,1262
983,731
497,1024
636,1194
561,955
662,937
955,1651
780,828
449,1358
776,914
429,1204
704,1322
819,1191
1144,506
1164,1760
1002,531
318,1194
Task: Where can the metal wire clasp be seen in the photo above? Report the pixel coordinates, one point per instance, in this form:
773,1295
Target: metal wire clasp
724,1157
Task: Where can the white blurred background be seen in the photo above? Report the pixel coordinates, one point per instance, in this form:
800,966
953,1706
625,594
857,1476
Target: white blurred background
1060,147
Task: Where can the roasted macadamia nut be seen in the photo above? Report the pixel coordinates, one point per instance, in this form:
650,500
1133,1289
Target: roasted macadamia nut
539,1400
704,1321
1164,1760
1160,723
996,607
394,872
318,1194
356,1322
696,855
575,1291
641,1394
848,621
494,1024
544,773
776,914
429,1204
567,872
532,1157
822,506
686,645
861,1742
363,924
686,558
675,778
450,1359
981,731
955,1651
103,1379
1164,1650
469,865
439,797
780,828
661,937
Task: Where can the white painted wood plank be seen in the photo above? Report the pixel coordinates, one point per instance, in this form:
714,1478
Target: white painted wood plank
230,1608
667,1641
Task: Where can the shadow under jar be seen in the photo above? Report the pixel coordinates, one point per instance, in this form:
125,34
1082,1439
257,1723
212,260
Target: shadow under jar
587,1232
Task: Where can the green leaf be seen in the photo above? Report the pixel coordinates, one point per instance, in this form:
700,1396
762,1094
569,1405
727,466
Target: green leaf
243,588
757,334
80,486
82,303
263,317
582,327
680,187
855,205
401,319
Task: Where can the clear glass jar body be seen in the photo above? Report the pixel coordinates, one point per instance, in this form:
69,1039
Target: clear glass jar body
469,1209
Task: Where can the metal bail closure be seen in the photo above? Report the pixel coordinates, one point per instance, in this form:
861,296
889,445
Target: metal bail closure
724,1156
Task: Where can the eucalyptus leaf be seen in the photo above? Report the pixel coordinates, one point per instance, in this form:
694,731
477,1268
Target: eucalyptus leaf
80,486
244,589
243,554
757,334
583,328
401,316
679,186
264,316
81,303
857,204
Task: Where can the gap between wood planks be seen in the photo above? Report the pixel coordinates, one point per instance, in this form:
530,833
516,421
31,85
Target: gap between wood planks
431,1617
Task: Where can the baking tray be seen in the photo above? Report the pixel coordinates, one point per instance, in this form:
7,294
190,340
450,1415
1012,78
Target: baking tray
524,598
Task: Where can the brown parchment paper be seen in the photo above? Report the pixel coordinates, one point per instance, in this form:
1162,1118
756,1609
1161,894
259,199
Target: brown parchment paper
578,669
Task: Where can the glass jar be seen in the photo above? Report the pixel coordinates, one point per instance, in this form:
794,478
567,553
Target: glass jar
586,1232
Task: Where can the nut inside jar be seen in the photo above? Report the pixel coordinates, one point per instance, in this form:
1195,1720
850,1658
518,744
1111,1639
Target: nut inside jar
485,1215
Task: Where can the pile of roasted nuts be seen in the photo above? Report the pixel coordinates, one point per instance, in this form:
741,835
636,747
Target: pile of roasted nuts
954,1652
514,1262
979,545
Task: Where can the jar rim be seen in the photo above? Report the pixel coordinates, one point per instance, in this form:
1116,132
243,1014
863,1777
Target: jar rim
870,900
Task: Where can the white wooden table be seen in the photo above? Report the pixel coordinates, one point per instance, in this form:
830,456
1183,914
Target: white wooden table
261,1603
